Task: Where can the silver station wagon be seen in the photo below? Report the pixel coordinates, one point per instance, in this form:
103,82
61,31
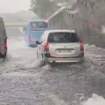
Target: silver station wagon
60,46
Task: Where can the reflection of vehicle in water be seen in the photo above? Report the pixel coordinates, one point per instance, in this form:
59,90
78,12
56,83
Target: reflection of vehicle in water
60,46
3,39
34,30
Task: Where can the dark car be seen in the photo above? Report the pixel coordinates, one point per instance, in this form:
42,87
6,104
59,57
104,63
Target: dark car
3,39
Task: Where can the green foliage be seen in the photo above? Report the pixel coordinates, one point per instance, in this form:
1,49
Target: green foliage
44,7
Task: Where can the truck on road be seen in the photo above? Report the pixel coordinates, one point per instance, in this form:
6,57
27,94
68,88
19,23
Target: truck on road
3,39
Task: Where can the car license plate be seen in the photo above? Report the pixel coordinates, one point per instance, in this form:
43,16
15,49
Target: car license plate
64,51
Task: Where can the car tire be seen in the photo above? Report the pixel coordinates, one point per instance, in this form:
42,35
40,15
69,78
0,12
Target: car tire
0,55
37,55
52,64
43,61
4,55
83,59
81,62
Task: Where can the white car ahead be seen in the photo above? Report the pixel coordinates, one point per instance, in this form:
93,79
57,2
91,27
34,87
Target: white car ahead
60,46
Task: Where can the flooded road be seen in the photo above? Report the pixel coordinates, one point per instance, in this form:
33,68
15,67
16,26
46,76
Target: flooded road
24,82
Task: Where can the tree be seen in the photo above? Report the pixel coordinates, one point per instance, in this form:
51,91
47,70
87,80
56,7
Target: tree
43,7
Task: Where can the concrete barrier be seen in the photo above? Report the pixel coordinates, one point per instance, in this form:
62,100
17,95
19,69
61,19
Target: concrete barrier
15,24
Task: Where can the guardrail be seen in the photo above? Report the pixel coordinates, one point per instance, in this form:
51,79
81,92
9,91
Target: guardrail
68,18
15,24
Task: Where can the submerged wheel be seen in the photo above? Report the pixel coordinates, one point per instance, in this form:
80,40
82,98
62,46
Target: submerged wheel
4,55
37,55
43,62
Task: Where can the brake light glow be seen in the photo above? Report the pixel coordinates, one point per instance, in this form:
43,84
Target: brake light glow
46,47
81,44
5,45
46,21
90,25
81,47
31,22
29,39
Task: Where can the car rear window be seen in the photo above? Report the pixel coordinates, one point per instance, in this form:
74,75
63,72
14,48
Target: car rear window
39,25
63,37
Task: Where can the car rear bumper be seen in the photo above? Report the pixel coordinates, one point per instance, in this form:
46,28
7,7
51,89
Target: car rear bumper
64,59
78,58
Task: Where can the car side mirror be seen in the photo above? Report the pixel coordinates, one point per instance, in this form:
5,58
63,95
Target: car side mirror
23,28
37,42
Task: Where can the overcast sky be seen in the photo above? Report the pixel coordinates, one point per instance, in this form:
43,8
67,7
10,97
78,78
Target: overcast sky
11,6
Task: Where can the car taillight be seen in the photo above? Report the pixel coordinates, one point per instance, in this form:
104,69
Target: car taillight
46,47
29,39
81,47
5,45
